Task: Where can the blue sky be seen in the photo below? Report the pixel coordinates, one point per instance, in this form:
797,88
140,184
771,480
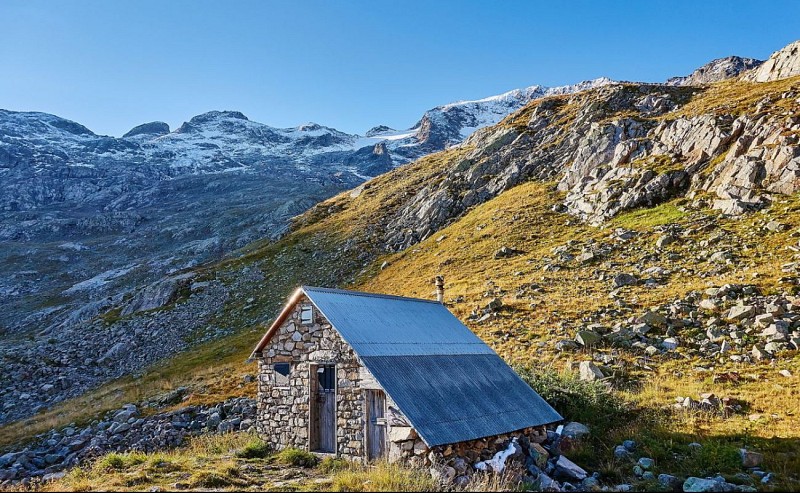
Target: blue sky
111,65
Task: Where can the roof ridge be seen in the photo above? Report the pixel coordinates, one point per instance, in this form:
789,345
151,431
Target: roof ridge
364,293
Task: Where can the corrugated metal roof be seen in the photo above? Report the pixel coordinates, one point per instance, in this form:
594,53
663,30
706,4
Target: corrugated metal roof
382,325
448,383
454,398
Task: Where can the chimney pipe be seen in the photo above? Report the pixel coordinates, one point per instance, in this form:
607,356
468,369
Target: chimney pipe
440,289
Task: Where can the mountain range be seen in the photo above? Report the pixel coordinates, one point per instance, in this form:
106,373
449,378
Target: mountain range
99,234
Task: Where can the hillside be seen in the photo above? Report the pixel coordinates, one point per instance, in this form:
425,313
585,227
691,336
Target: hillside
574,216
88,219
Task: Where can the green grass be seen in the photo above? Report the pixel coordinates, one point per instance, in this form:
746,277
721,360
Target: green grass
255,449
297,457
382,477
647,218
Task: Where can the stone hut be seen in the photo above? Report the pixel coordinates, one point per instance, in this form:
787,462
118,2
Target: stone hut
367,376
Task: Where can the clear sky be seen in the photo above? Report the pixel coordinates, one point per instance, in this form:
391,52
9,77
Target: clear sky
114,64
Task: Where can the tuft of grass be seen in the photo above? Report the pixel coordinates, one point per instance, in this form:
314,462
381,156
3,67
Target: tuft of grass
332,464
382,476
255,449
296,457
119,461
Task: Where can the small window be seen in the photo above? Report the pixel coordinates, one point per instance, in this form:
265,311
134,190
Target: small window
306,315
281,372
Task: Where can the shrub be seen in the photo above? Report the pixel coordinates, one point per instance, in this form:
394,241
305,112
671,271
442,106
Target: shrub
255,449
590,403
297,457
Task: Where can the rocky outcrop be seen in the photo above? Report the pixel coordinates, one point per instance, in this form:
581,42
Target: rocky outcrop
717,70
151,129
780,65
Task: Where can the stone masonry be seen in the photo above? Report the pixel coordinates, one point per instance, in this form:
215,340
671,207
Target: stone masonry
283,412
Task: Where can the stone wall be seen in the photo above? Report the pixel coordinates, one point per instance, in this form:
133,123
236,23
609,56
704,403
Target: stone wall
283,412
461,456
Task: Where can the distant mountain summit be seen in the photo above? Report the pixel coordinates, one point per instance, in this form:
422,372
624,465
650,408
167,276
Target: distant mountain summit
716,70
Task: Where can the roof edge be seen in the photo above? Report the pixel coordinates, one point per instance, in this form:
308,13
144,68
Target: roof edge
287,309
364,293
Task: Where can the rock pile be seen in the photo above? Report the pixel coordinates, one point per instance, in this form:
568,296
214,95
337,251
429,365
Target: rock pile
122,430
731,322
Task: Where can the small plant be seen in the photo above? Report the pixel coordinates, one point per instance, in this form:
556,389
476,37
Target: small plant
297,457
332,464
255,449
119,462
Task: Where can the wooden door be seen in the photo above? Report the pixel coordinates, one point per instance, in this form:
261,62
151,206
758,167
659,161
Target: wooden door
323,417
376,424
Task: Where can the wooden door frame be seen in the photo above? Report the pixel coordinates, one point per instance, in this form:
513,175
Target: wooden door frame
368,418
313,409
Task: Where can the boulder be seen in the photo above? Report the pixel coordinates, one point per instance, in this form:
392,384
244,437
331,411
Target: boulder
589,371
693,484
741,312
623,279
587,338
750,458
567,470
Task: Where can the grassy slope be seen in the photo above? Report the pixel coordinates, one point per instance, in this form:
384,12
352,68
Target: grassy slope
336,243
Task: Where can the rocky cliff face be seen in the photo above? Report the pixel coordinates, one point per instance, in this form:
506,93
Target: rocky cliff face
623,146
782,64
716,71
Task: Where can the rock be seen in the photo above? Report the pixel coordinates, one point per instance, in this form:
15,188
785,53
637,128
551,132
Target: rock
785,373
750,458
629,445
668,481
621,280
539,455
590,484
670,343
53,476
546,483
665,240
741,312
575,430
568,471
401,433
653,319
645,463
620,452
780,65
587,338
693,484
709,305
589,371
506,252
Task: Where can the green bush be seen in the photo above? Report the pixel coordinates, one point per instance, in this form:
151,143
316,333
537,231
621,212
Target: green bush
331,464
255,449
297,457
590,403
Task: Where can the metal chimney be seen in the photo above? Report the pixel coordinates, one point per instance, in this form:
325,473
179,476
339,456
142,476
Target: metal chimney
440,289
